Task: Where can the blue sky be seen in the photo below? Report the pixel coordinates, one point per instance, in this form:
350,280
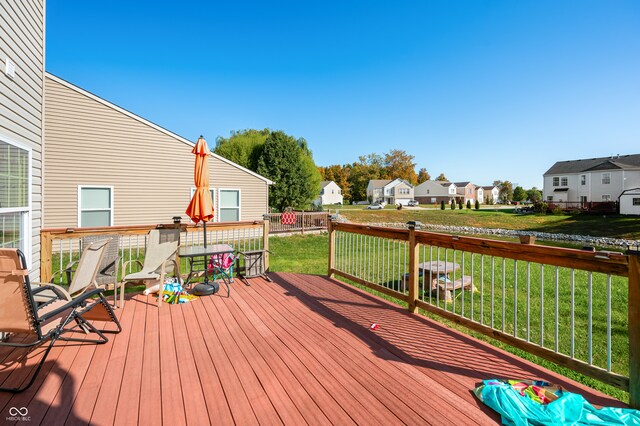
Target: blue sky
479,90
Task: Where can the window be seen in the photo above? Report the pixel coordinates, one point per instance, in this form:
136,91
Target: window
606,178
636,201
556,181
95,206
564,181
606,197
583,199
212,191
469,191
229,205
583,179
15,199
549,197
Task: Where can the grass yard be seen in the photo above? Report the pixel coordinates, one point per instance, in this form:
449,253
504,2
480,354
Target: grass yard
308,254
615,226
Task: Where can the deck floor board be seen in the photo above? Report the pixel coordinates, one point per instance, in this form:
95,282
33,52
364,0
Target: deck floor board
298,350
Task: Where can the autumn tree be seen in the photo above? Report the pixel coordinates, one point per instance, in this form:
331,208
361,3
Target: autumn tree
423,175
367,167
400,165
442,178
341,176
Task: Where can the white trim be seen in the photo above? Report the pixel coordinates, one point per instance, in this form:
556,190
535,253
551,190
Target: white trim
150,124
239,202
212,191
111,202
27,224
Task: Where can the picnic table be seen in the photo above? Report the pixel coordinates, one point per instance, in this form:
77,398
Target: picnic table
438,271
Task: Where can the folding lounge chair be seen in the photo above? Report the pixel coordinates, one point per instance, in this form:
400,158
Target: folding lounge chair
19,313
159,259
84,275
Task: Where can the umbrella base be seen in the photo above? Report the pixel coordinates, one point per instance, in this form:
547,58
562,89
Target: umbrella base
206,289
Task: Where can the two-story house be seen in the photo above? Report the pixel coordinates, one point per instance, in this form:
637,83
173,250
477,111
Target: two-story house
591,180
490,194
434,192
466,191
330,193
396,191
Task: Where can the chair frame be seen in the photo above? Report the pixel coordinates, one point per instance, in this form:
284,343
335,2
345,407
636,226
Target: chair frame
77,309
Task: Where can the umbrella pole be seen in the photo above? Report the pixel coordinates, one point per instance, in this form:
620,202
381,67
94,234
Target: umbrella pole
206,264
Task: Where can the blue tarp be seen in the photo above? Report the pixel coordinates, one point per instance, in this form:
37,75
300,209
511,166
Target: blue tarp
522,403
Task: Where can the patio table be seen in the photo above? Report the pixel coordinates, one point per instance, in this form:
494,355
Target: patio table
438,268
195,253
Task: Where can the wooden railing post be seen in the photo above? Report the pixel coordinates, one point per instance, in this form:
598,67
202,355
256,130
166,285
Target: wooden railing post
46,260
302,222
634,329
414,257
332,248
265,242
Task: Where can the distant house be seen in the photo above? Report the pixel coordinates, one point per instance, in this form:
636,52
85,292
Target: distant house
21,140
107,166
434,192
630,201
330,193
479,194
491,193
396,191
466,191
601,179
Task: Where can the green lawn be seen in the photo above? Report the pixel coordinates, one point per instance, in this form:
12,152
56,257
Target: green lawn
308,254
615,226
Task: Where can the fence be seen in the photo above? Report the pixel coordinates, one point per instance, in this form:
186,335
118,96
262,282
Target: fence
578,309
60,246
297,222
587,206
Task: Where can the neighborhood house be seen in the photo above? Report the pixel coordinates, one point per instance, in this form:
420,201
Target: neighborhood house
594,180
330,193
396,191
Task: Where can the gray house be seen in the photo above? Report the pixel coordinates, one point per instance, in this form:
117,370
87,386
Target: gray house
601,179
21,82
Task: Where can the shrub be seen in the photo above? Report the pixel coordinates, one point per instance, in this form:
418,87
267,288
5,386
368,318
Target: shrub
460,204
469,204
453,205
442,205
557,210
540,207
477,205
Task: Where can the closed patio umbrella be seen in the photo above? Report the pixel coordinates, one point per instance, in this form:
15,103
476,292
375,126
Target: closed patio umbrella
201,207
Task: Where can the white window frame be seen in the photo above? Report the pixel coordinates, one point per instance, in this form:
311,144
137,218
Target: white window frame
608,176
635,201
564,181
549,197
606,198
239,201
26,225
583,180
212,191
555,181
112,202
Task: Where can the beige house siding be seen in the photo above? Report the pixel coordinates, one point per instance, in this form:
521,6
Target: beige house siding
94,143
21,99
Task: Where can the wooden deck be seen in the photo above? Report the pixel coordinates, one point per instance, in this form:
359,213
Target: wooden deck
297,350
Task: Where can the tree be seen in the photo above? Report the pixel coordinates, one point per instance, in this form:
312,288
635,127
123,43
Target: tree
442,178
534,195
340,175
367,167
477,205
469,204
460,203
453,204
242,147
423,175
506,190
400,165
519,194
288,163
442,205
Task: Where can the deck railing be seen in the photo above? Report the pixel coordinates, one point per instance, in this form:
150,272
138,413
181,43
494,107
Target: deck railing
297,221
59,246
577,308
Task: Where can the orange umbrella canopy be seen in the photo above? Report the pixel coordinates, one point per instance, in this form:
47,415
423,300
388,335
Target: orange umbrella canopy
201,208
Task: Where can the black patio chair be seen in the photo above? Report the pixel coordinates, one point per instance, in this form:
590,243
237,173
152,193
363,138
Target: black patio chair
50,321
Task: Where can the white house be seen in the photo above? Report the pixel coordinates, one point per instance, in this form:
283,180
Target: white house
630,201
591,180
490,192
396,191
330,193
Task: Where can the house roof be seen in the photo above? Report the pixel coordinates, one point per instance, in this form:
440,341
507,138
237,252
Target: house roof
327,182
461,183
488,188
630,191
379,182
149,123
618,162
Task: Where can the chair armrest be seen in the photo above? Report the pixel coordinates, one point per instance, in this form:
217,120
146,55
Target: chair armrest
56,289
127,263
72,303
